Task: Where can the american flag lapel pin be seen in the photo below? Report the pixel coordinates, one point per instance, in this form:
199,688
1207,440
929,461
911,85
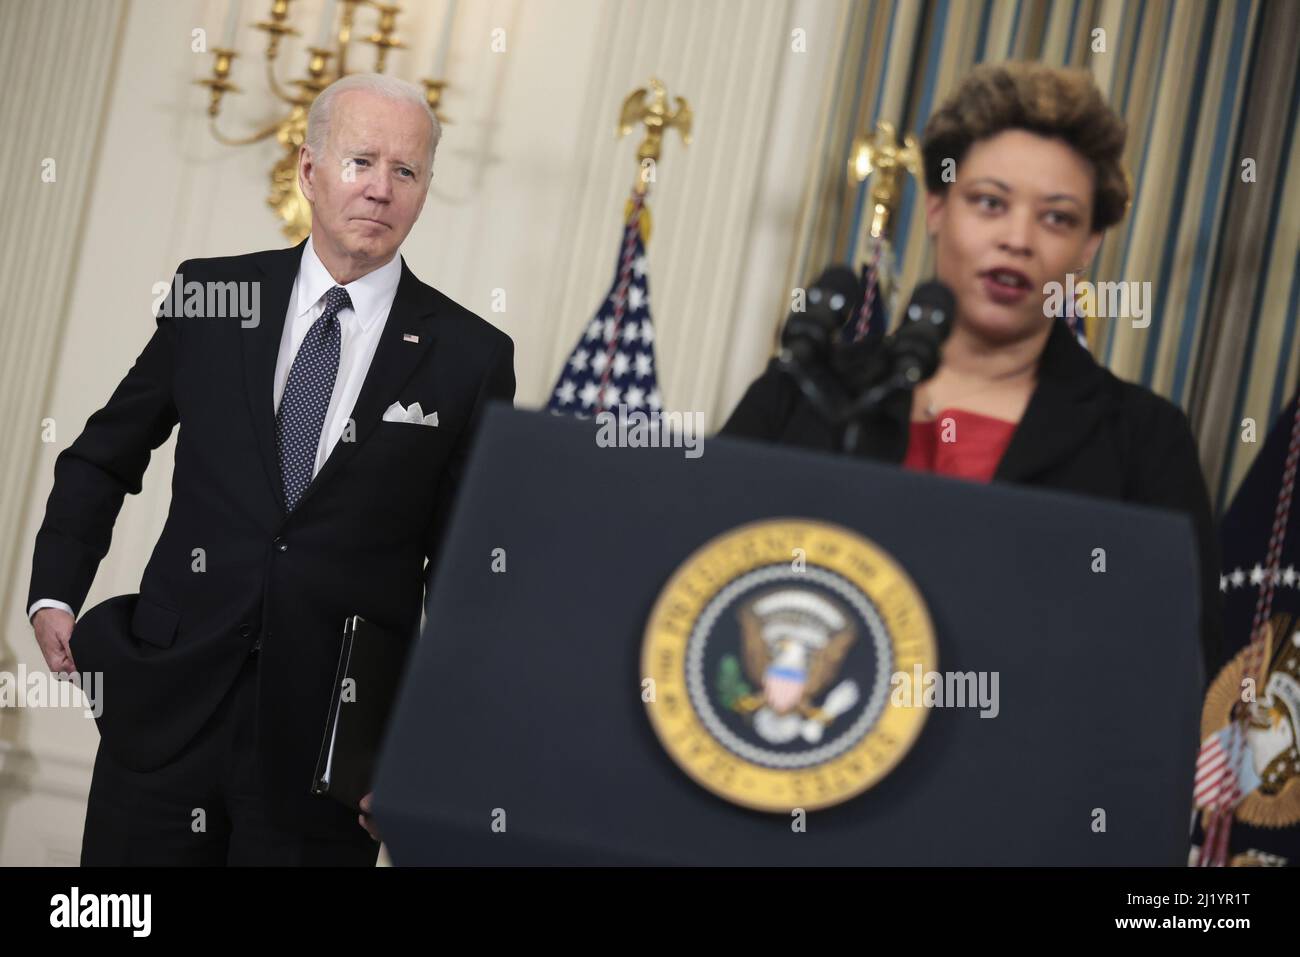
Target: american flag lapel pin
410,337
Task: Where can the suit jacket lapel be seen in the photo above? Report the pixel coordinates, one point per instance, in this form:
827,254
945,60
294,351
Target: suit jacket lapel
394,361
1064,409
884,436
261,348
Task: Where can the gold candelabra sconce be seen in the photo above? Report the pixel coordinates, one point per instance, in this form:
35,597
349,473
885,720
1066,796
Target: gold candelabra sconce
327,61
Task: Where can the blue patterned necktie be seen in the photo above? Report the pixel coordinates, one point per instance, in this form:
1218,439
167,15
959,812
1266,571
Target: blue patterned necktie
307,396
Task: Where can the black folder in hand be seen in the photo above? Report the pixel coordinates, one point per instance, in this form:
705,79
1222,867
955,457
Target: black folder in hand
365,686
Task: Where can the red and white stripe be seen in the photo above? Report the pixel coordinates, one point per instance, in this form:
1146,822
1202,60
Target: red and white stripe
1216,785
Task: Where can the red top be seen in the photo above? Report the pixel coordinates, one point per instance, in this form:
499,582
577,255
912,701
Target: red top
959,443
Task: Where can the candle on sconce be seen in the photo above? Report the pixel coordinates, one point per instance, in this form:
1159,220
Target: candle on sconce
444,42
328,34
232,24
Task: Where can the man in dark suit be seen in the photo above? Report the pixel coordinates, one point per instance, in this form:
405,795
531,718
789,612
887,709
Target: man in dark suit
321,444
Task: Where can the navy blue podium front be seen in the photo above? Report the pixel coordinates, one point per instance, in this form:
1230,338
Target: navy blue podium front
521,736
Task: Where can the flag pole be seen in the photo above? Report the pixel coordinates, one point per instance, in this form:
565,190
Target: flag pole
880,157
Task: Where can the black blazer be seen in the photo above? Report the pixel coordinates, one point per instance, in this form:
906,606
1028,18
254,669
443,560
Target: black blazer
1084,431
357,543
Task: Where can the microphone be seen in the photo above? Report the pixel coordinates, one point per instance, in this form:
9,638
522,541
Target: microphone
926,324
906,357
808,335
845,382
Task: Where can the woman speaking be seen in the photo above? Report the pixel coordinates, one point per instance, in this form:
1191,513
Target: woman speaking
1023,172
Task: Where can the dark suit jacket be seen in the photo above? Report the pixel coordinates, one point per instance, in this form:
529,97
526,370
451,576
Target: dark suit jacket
357,543
1084,431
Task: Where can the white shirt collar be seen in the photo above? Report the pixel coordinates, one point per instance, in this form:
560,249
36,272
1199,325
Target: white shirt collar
372,291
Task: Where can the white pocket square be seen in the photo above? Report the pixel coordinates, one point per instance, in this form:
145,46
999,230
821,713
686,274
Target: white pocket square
415,415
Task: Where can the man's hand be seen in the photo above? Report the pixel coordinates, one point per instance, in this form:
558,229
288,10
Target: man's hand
366,820
53,628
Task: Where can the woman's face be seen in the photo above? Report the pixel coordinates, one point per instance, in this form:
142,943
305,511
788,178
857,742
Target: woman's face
1017,217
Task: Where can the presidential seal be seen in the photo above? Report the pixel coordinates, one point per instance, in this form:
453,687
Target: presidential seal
771,651
1253,764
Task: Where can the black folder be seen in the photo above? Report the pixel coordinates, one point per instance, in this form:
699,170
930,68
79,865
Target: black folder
365,686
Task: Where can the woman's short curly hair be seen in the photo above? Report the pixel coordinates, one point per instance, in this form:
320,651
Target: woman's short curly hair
1050,101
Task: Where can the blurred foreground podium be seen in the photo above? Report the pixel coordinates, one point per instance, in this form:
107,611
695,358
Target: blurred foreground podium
677,660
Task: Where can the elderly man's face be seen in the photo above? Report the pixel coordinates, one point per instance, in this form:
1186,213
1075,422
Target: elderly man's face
369,188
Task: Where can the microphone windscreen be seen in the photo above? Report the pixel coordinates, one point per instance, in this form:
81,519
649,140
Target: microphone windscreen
842,284
935,301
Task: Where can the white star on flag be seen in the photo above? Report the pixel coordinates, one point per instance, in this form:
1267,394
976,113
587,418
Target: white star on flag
613,360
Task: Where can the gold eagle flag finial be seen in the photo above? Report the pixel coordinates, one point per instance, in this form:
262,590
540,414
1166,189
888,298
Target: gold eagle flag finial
880,154
649,107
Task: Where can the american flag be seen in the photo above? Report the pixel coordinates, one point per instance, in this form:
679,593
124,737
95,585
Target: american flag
613,363
1225,772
